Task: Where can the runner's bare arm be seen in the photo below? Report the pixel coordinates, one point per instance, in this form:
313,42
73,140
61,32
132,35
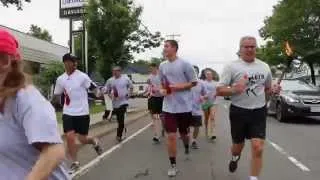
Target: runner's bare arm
225,91
224,88
58,91
183,86
50,157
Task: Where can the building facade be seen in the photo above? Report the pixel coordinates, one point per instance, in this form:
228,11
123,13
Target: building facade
36,52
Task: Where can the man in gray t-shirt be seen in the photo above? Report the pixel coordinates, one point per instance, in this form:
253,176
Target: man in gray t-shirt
248,82
119,88
178,77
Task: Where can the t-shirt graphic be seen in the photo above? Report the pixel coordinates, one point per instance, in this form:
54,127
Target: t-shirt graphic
255,82
66,98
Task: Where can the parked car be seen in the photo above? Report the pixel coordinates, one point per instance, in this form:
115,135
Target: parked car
297,98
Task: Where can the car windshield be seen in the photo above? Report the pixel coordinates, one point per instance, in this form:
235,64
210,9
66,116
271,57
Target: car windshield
297,85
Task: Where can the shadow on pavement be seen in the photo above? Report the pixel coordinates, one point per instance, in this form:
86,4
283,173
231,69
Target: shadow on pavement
304,120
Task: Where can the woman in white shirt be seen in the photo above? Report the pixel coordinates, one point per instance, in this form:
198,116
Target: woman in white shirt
209,105
30,144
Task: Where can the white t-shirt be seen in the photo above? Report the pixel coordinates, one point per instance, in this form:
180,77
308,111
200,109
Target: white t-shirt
28,118
75,88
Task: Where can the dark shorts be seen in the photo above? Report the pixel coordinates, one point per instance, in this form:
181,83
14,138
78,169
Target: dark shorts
79,124
174,121
122,109
155,105
247,123
196,121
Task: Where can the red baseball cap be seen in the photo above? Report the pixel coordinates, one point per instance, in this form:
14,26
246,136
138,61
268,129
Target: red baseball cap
9,44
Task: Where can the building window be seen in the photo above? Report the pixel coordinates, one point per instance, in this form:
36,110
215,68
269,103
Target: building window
141,88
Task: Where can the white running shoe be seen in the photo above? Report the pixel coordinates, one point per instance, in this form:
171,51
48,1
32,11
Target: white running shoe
74,167
172,172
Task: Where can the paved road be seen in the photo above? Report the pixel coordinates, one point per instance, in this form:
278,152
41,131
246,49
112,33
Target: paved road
292,153
139,103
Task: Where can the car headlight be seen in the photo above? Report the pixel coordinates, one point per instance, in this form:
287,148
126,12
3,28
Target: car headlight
291,99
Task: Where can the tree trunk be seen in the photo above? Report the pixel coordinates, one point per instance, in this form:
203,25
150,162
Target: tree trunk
312,73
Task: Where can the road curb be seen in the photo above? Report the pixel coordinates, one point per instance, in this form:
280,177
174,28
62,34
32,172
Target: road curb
140,114
128,121
104,122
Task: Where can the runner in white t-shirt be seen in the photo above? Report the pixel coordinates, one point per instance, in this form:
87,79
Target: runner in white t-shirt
74,84
30,143
209,105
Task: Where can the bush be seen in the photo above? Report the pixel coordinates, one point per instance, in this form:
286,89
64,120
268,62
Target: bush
47,77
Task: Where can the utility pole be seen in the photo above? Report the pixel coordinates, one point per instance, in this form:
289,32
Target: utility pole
172,36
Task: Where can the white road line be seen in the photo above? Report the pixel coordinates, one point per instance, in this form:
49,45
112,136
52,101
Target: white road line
292,159
84,169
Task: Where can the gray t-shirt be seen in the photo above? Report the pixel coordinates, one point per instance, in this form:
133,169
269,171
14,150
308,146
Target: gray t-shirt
178,71
155,84
28,118
122,86
211,88
197,91
259,78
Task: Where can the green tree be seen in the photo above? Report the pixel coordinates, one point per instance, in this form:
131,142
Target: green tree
296,21
48,76
17,3
157,60
148,62
116,30
40,33
271,53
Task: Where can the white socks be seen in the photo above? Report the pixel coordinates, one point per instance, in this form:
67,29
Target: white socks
253,178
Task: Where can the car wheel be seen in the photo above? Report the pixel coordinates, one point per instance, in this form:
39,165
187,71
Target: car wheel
279,113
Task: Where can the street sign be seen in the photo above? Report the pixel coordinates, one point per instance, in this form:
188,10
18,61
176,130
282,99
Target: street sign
72,8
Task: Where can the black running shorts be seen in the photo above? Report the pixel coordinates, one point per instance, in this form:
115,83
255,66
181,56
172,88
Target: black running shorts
78,124
247,123
155,105
196,121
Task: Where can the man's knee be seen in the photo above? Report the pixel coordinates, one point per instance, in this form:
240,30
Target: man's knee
257,147
172,137
70,136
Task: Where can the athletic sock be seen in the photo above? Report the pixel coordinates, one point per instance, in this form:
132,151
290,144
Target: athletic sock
172,161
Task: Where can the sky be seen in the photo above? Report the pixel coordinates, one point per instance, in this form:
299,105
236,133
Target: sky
209,30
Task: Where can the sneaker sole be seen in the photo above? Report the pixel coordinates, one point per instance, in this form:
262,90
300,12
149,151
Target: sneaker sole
233,166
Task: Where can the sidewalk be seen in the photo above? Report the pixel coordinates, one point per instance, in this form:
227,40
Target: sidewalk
96,121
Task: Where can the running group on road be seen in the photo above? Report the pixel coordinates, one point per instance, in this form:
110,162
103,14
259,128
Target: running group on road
178,101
